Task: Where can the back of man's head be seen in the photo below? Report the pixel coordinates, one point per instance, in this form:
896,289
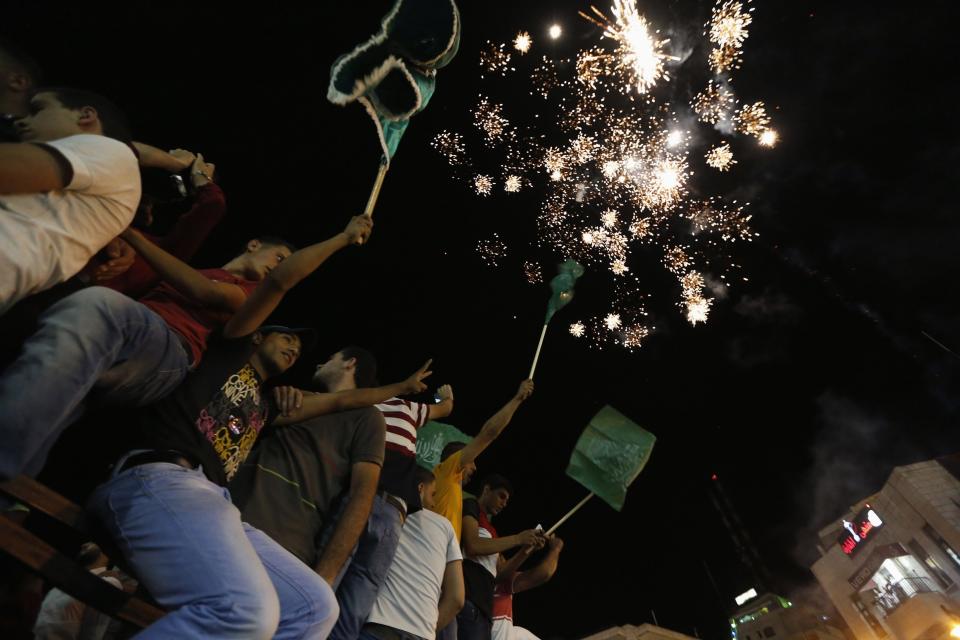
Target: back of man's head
113,122
365,371
450,449
19,75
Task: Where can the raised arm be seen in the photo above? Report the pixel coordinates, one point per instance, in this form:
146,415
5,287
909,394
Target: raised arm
288,274
364,477
443,408
542,572
297,408
452,593
474,545
495,425
184,278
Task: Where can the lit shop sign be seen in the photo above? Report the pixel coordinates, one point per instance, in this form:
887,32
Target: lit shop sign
859,530
747,595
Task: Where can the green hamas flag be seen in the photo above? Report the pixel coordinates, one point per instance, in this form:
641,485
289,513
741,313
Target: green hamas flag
393,74
432,438
610,454
562,286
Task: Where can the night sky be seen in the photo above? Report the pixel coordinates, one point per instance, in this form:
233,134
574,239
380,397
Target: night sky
809,382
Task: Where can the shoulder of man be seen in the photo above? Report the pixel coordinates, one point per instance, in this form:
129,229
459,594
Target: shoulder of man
99,165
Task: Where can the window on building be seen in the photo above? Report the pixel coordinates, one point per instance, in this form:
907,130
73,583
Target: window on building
934,569
943,544
768,632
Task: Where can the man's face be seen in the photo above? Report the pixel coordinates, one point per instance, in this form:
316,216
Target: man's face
263,258
278,352
331,371
49,120
494,501
428,495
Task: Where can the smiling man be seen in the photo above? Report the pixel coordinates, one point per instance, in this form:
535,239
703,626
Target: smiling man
66,190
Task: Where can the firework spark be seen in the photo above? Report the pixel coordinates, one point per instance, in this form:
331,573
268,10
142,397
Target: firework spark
640,52
752,119
720,157
714,103
512,184
488,117
482,185
555,31
698,309
728,26
492,250
532,272
613,321
495,59
634,336
577,329
724,59
522,42
450,146
769,138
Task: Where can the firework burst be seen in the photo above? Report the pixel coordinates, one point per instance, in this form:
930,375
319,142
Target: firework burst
609,156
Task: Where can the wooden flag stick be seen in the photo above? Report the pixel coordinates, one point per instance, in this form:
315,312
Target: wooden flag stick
536,356
375,192
569,513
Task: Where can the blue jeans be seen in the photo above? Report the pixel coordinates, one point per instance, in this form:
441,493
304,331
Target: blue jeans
219,577
96,339
473,624
449,632
367,570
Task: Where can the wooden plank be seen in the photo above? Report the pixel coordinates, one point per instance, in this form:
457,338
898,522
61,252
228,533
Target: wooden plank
39,497
67,575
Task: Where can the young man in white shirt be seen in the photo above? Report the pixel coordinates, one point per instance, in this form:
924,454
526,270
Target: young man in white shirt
70,187
424,589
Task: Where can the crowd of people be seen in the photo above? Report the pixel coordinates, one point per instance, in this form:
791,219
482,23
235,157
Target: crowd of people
243,507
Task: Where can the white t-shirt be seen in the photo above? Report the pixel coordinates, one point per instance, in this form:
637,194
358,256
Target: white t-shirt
46,238
409,597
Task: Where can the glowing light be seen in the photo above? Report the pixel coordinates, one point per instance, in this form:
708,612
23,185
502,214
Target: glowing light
522,42
674,138
769,138
698,309
612,321
713,104
512,184
728,26
752,119
720,157
532,272
587,237
492,250
634,336
619,267
609,218
482,184
955,631
495,60
577,329
555,31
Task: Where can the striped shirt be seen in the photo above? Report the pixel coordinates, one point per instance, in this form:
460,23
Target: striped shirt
403,418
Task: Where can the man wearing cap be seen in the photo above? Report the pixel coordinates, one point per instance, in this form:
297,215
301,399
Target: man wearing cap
168,510
132,352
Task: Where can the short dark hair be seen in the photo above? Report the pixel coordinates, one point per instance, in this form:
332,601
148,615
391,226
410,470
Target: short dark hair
273,241
451,448
365,374
496,481
423,476
88,555
112,120
17,58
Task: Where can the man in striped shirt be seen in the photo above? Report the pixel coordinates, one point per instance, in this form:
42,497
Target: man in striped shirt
397,496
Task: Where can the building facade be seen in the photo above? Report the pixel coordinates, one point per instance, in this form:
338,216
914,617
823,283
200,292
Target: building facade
638,632
891,565
772,617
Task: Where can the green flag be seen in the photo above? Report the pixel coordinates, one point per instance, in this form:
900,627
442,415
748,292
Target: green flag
432,438
393,74
562,286
609,455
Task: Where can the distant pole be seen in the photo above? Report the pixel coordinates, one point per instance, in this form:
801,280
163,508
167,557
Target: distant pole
654,614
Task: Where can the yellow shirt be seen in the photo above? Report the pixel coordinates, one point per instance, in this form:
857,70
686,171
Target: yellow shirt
449,496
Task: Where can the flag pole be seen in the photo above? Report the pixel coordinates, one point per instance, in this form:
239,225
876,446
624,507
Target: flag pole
536,356
375,192
569,513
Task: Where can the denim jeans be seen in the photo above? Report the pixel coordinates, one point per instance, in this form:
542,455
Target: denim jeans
367,570
219,577
449,632
473,624
95,339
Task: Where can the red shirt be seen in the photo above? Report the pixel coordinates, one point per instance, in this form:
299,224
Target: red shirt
183,241
503,602
191,320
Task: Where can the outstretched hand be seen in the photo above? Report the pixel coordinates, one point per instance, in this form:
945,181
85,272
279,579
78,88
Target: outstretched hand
358,230
414,384
525,390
